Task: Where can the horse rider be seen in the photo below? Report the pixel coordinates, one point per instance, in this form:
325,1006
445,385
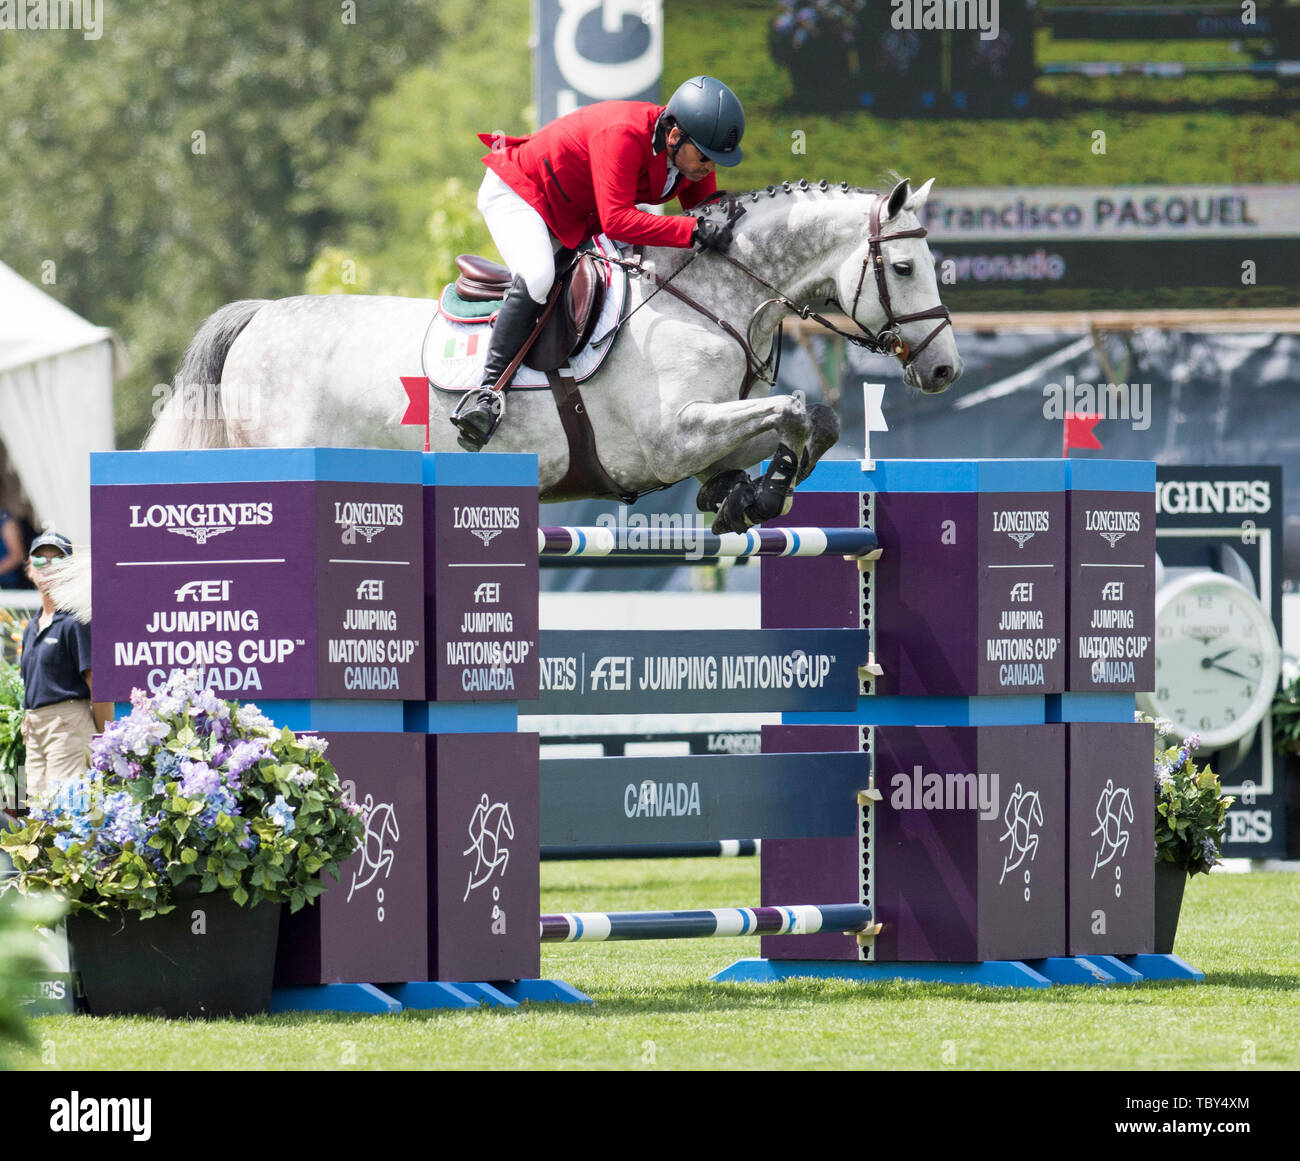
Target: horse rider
584,174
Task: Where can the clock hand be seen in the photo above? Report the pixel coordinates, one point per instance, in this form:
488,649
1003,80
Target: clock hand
1219,656
1225,669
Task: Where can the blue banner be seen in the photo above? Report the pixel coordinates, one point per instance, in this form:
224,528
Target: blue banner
712,671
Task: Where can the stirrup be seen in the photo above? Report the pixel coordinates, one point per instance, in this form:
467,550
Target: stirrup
477,416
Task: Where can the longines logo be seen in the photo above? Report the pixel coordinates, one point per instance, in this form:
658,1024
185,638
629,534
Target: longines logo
1203,497
485,521
365,519
1020,524
1112,524
201,522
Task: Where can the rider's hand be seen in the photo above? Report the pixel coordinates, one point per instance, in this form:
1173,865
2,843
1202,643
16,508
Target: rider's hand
711,235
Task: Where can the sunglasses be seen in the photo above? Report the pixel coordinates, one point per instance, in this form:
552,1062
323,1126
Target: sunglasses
42,561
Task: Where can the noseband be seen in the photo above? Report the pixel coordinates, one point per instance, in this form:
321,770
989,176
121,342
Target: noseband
887,341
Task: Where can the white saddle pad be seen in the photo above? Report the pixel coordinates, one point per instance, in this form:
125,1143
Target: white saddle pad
455,351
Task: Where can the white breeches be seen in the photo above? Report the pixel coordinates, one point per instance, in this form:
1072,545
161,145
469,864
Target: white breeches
526,243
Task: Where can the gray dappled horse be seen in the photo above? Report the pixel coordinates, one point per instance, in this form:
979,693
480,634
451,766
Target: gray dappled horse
668,403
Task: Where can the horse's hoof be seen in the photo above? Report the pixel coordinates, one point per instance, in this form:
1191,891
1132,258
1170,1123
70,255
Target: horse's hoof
731,516
712,495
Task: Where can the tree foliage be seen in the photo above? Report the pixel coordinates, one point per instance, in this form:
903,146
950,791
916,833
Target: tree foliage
185,158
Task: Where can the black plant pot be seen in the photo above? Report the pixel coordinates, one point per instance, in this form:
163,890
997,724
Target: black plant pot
1170,881
207,957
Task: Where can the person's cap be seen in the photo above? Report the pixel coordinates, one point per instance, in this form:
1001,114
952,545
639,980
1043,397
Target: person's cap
52,540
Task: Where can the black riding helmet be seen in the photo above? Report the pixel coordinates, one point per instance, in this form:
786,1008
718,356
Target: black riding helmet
710,114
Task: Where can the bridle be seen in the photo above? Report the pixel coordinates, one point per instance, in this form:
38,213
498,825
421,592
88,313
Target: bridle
886,341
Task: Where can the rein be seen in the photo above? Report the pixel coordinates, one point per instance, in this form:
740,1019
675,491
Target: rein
887,341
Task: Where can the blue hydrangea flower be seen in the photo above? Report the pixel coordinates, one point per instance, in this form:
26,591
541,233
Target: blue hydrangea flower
281,813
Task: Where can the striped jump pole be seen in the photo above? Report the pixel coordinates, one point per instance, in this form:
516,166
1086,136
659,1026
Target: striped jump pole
715,848
698,544
599,926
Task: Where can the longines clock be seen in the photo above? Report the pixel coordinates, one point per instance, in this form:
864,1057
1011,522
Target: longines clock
1217,659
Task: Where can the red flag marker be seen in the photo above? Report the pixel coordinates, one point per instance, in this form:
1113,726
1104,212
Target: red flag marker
417,406
1078,432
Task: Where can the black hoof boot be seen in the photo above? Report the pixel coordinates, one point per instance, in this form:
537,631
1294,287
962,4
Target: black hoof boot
477,417
710,497
731,515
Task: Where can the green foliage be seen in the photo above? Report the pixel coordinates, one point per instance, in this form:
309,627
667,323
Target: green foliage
406,190
189,788
1286,719
1191,808
19,961
181,160
13,750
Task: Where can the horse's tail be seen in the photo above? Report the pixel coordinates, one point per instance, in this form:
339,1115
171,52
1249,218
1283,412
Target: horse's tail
190,415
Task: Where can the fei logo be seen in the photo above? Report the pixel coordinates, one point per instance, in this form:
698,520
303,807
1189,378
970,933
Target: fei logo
489,826
1023,816
376,855
1114,808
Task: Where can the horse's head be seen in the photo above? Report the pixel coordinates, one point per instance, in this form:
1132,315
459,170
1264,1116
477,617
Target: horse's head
888,287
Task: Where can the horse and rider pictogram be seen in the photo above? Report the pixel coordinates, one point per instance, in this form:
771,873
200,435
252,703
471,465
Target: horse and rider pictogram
489,826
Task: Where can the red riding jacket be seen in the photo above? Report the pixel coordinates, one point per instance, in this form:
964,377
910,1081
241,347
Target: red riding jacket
585,173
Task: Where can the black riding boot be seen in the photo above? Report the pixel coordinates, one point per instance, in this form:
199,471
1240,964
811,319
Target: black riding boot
480,410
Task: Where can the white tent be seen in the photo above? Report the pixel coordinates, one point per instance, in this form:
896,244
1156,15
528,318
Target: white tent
56,401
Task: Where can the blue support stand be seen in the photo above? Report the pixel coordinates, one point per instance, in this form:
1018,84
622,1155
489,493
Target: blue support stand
365,999
1164,967
1116,967
1071,969
990,974
543,992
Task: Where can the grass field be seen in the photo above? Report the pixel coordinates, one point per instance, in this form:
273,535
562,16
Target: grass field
655,1008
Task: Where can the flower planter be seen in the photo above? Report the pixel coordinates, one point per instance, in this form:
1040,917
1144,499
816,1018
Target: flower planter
208,957
1170,881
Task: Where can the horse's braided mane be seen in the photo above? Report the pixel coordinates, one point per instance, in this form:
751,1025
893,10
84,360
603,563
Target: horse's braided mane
723,200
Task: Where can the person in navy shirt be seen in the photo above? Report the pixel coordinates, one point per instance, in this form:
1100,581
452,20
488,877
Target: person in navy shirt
58,719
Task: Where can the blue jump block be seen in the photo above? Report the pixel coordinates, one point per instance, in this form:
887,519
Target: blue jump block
1164,967
434,994
1122,972
892,710
542,992
363,998
468,717
255,465
990,974
1090,707
462,469
347,716
1070,969
1040,475
339,715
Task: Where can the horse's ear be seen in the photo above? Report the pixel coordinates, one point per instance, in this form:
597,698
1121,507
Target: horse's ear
917,200
897,199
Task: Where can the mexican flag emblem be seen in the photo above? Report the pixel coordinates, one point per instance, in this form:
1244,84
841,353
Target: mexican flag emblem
461,347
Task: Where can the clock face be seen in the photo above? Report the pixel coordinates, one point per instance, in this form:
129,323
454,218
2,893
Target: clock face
1217,659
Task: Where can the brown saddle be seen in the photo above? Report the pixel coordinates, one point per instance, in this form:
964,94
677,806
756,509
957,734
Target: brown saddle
580,284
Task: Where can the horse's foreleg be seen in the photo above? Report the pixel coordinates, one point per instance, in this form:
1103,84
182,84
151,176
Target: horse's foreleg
707,433
825,435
